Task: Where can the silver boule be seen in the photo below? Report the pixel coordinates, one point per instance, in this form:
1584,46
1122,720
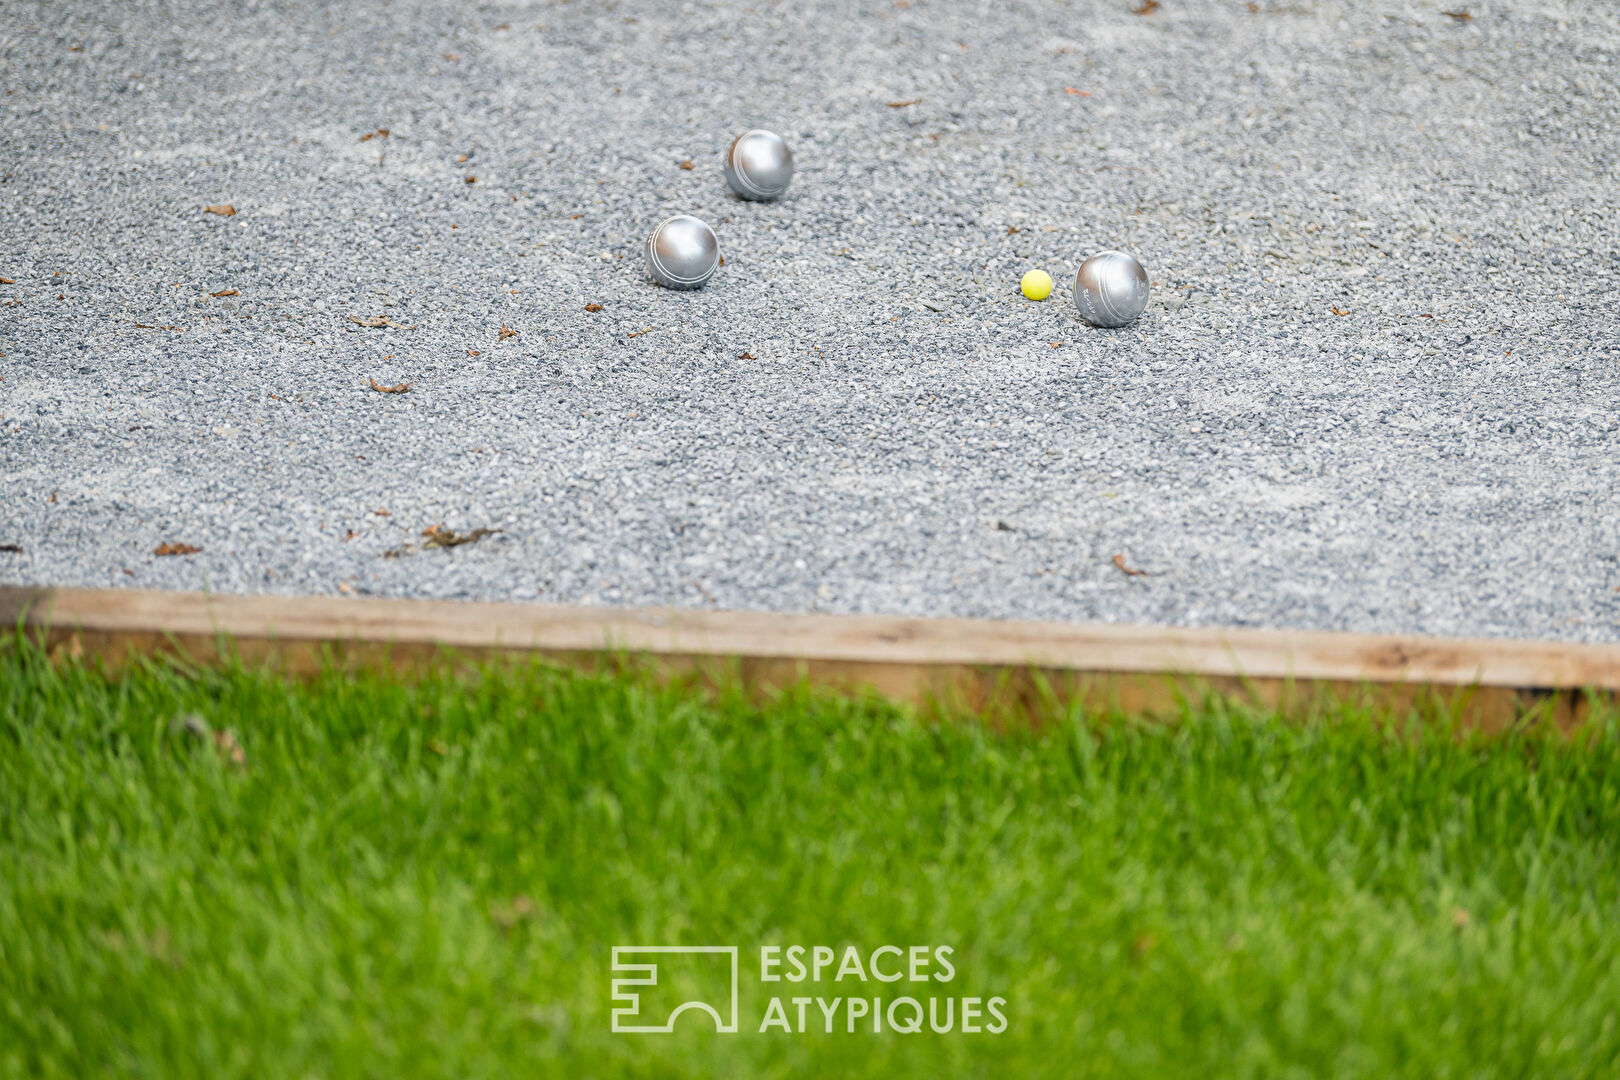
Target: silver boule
1111,289
759,165
682,253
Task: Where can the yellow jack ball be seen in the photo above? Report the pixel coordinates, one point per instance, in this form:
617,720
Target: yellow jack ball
1037,284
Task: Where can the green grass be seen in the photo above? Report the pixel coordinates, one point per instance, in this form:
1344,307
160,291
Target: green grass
426,877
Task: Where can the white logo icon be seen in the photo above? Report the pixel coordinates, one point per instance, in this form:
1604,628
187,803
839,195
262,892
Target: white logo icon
627,998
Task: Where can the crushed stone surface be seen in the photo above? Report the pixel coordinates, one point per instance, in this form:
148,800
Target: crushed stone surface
1378,387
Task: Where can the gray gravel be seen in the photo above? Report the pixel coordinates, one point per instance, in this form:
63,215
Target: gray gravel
1378,389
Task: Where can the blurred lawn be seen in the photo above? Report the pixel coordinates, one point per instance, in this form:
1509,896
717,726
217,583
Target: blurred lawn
426,878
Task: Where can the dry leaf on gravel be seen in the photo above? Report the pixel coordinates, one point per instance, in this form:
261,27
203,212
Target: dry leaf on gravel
378,320
903,104
593,307
1147,7
176,549
380,133
687,166
382,513
474,352
225,292
222,209
397,388
1119,561
6,281
506,332
747,356
1460,16
11,549
472,179
1077,93
440,537
1339,310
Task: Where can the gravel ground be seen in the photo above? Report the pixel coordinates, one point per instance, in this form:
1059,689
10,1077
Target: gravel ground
1378,388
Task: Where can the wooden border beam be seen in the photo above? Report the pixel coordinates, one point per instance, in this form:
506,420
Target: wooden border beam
1487,682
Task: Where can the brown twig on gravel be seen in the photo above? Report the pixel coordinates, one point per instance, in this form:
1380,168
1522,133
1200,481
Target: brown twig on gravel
1119,561
378,320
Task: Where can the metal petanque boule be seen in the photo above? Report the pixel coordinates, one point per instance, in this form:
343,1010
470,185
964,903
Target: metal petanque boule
682,253
759,165
1111,289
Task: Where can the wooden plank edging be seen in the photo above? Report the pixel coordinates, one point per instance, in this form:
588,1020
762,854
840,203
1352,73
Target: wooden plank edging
895,654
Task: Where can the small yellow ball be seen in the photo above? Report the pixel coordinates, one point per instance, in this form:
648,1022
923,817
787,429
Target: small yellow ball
1037,284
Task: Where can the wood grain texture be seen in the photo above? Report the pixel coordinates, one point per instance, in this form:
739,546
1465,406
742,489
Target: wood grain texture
1487,681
